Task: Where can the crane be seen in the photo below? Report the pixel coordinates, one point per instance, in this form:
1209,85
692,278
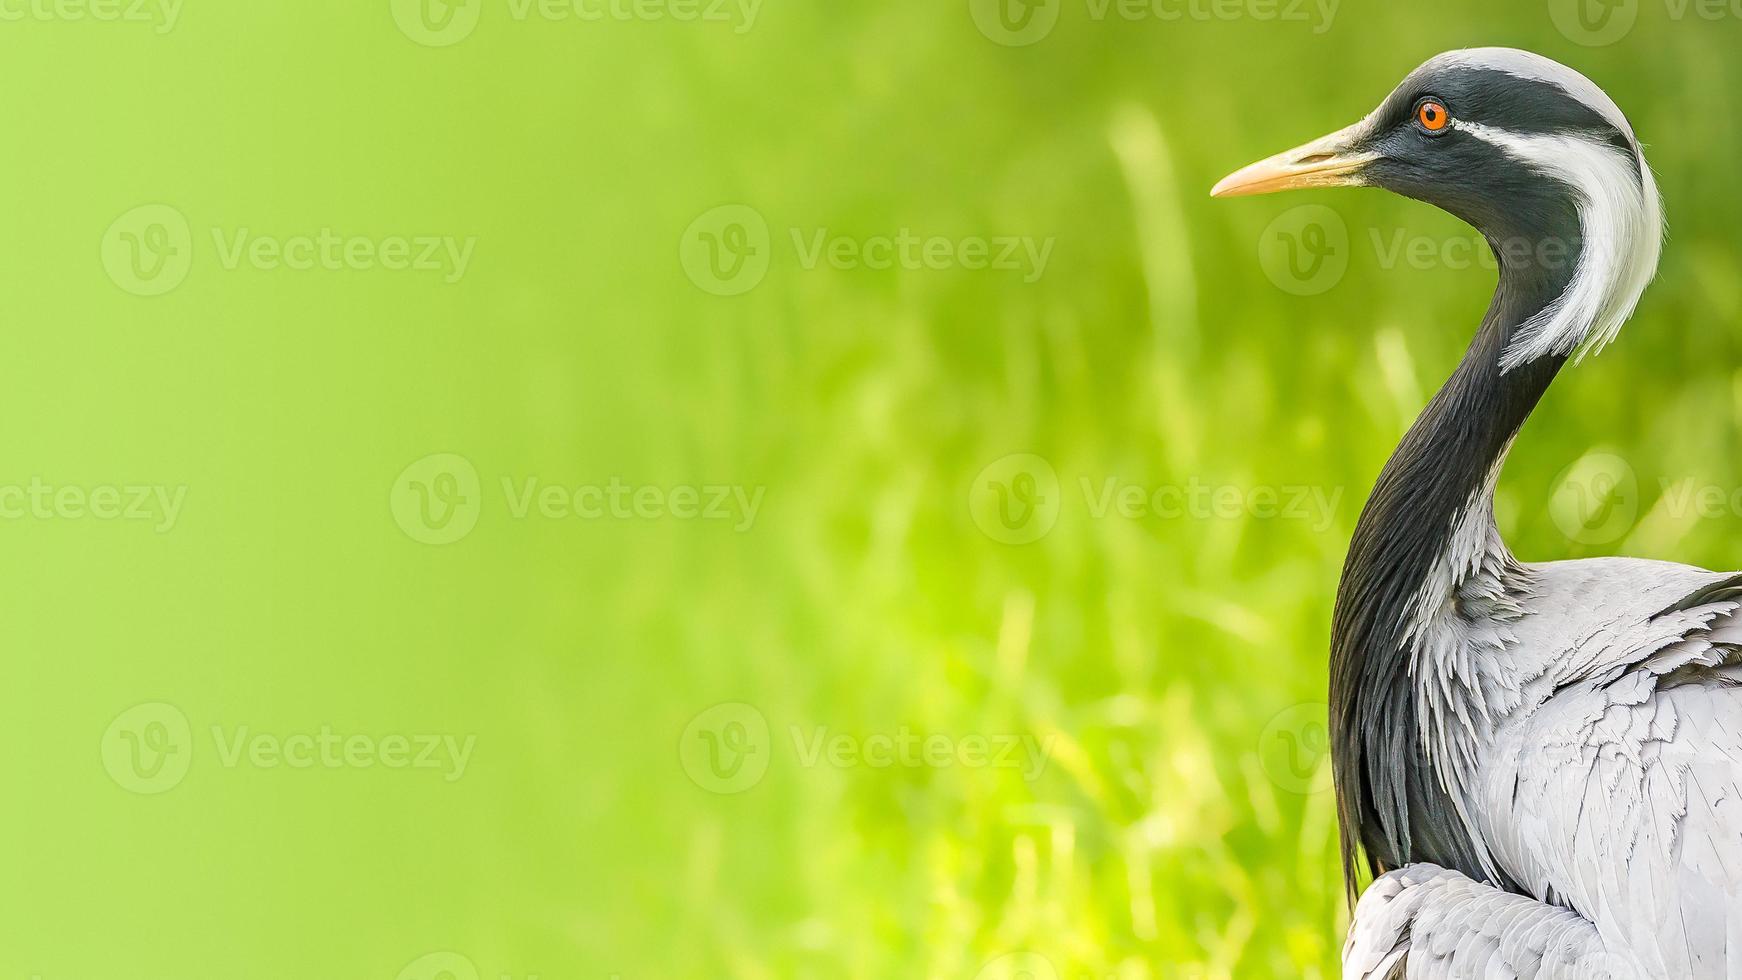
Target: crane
1541,763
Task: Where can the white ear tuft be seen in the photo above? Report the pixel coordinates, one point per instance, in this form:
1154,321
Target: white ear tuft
1621,230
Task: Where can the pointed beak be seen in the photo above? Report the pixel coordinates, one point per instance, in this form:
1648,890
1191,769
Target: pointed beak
1329,161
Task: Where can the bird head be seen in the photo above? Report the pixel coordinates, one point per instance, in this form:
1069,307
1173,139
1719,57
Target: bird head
1528,151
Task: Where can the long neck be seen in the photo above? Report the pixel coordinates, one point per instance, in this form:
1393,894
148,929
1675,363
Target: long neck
1427,531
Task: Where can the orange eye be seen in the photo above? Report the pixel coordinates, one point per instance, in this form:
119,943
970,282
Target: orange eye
1432,116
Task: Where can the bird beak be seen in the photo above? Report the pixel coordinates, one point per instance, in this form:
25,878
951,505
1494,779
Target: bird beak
1329,161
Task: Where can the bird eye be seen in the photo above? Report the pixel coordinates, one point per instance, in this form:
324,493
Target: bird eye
1432,116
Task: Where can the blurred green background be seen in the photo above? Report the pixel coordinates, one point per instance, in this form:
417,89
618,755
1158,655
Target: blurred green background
712,490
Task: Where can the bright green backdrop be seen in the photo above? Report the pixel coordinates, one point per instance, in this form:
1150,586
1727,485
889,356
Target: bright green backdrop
946,750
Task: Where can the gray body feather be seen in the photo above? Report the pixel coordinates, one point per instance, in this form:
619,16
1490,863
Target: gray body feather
1541,763
1604,778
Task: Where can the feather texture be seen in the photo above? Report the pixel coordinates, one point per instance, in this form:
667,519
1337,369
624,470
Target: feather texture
1607,783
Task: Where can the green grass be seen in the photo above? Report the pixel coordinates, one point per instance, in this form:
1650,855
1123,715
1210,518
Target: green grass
1164,661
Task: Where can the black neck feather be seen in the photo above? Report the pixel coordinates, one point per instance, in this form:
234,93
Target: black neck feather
1391,804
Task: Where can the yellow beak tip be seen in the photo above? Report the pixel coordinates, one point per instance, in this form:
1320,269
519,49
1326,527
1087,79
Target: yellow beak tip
1329,161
